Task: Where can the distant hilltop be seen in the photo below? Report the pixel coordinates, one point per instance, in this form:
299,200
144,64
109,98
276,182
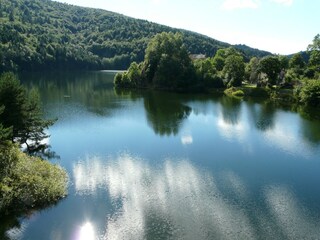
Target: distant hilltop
43,34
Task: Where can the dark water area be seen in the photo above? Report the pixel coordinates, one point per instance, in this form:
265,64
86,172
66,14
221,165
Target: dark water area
156,165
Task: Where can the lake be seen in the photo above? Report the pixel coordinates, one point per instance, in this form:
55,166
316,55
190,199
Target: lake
156,165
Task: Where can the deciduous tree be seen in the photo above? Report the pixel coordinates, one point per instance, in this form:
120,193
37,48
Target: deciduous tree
270,65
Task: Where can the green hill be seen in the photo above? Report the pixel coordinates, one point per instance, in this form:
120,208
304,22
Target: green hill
43,34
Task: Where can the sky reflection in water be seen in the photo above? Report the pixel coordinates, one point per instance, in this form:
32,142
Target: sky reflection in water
209,167
179,201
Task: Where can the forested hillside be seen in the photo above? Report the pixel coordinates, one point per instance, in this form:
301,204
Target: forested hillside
43,34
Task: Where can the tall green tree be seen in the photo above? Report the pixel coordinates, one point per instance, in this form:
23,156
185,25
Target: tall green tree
297,61
270,65
22,113
284,61
219,59
207,73
234,70
314,51
167,65
251,70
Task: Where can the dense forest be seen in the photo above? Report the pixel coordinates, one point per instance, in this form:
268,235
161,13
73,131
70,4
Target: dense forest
43,34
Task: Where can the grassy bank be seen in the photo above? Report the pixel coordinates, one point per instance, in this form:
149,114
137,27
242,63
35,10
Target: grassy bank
28,182
276,94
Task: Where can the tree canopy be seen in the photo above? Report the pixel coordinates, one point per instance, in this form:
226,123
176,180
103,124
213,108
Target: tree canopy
21,113
50,35
314,50
167,65
271,66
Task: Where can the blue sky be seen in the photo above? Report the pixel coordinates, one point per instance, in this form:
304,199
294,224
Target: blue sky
278,26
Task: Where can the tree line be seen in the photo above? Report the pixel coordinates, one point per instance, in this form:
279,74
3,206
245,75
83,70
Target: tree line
47,35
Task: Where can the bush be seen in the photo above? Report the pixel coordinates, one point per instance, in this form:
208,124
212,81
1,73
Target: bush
234,92
309,94
238,93
27,182
118,80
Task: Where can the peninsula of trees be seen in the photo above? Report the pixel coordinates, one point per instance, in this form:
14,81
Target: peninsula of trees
43,34
167,66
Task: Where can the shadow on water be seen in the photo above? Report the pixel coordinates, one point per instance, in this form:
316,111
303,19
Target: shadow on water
14,225
91,89
311,131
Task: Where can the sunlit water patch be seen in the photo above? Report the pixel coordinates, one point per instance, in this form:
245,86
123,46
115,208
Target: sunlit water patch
179,201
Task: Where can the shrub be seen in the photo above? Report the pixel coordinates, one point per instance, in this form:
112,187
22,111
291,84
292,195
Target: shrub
118,79
238,93
27,182
234,92
309,94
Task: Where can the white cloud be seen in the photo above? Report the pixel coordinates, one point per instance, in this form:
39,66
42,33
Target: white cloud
238,4
284,2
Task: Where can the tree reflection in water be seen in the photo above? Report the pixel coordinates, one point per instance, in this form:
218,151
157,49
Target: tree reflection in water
165,113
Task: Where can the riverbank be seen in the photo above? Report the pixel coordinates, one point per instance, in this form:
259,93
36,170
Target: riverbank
276,94
28,182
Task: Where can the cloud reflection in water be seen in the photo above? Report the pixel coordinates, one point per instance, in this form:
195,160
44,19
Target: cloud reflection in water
178,201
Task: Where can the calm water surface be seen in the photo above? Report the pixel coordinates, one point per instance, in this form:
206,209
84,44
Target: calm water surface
153,165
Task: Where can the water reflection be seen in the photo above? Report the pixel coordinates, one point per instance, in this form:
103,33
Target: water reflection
186,139
286,136
294,221
179,201
165,113
91,89
232,130
230,109
16,232
311,130
263,115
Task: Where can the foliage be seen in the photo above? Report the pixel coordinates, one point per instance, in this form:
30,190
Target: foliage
250,52
297,65
234,70
166,66
232,91
207,74
284,61
44,34
270,65
251,70
297,61
314,50
5,133
22,112
309,94
219,59
26,182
